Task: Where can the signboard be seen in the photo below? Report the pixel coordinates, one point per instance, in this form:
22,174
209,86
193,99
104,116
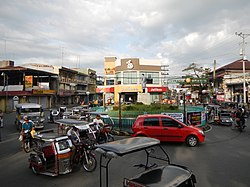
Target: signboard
157,89
194,118
178,116
28,81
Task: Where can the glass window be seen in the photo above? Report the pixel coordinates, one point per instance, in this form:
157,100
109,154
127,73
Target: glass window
63,145
151,122
166,122
129,77
110,82
152,77
118,78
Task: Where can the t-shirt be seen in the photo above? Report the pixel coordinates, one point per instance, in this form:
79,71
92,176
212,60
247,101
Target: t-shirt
27,126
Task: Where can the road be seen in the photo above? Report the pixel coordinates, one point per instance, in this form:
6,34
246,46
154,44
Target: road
222,160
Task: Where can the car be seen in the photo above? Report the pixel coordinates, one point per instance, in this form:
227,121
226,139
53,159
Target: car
167,129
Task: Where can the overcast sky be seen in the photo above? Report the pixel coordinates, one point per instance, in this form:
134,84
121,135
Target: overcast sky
80,33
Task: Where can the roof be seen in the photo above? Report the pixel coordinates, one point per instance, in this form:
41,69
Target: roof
236,65
28,105
128,145
167,176
12,70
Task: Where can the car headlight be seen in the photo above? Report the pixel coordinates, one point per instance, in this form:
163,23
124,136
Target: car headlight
201,131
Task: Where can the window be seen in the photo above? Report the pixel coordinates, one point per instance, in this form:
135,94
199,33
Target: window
151,122
110,82
118,78
129,77
166,122
152,77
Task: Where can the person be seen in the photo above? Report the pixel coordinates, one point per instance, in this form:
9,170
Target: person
27,125
1,118
74,135
240,117
98,121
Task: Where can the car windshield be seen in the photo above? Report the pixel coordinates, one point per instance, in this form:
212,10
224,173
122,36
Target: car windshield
30,110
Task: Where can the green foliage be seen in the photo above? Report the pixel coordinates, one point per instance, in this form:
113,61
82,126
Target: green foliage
134,110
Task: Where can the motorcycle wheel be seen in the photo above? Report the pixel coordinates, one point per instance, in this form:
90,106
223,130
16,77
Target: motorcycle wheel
26,146
91,164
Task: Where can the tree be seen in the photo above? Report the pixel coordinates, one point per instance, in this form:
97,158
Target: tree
198,72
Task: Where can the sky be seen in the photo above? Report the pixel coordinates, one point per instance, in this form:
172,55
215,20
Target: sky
80,33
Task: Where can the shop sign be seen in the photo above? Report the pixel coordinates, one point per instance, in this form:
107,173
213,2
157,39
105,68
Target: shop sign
28,81
130,64
157,89
43,91
194,118
178,116
137,88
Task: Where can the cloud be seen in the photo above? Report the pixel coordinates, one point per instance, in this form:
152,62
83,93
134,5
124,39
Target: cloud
81,33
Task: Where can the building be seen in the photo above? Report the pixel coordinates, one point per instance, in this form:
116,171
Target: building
125,77
228,82
21,84
44,84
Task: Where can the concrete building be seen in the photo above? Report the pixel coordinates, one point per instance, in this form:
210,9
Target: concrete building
44,84
125,77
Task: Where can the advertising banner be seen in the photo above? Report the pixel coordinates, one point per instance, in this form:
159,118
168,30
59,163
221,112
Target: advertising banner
28,81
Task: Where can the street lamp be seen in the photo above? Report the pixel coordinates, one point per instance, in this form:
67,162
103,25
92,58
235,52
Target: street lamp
120,112
103,100
243,36
87,98
5,88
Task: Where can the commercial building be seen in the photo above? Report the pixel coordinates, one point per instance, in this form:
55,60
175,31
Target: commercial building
128,77
45,84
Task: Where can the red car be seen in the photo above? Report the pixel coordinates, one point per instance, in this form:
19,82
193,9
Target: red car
166,128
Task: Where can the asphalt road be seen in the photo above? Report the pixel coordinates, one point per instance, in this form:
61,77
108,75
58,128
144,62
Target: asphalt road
223,160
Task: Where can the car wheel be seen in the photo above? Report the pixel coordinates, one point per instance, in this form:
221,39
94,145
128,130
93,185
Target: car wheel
192,141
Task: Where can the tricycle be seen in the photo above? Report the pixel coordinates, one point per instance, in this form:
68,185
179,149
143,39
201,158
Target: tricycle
159,173
55,154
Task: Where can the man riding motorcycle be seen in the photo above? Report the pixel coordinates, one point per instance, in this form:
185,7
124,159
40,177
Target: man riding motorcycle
27,128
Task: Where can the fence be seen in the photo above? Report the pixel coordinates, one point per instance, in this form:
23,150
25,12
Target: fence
126,124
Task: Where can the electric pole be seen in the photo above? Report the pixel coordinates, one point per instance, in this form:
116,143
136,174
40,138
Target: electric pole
243,36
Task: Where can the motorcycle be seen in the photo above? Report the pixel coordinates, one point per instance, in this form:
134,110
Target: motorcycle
27,141
104,135
85,157
239,124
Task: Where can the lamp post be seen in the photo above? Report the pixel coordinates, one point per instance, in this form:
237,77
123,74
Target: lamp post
87,98
243,36
120,112
103,100
5,88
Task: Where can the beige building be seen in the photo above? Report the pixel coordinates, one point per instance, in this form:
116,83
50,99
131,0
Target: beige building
126,75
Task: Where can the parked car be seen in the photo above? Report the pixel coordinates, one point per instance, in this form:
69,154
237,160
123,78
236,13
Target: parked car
166,128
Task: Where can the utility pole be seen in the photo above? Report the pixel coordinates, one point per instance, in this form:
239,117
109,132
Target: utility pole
243,36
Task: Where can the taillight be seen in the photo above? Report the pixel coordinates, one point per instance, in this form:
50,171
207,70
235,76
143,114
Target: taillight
129,183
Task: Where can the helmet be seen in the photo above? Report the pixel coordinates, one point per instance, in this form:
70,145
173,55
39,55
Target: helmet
25,118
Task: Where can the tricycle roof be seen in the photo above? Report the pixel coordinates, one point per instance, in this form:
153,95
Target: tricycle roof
71,122
95,113
168,176
50,136
28,105
128,145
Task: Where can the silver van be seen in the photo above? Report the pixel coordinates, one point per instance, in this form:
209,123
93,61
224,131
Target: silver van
34,112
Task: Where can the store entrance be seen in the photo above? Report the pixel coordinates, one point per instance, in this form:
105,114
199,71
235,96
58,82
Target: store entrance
130,97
